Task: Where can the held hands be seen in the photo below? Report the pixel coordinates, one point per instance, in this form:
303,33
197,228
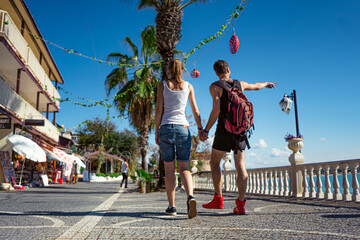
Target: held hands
271,85
203,135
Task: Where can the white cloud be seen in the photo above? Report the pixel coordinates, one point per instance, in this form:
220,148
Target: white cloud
279,153
251,154
260,144
323,139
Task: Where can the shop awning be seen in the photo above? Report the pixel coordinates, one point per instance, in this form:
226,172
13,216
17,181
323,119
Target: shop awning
62,156
26,147
78,161
52,156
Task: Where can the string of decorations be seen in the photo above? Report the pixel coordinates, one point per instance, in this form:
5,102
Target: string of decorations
234,41
235,14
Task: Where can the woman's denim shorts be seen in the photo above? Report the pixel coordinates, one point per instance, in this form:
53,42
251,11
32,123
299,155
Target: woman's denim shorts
175,140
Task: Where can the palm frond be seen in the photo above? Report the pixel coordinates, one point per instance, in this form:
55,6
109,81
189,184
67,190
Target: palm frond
193,1
148,4
132,46
116,79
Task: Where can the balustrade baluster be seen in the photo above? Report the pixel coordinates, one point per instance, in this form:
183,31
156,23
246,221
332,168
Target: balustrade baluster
266,190
254,182
249,182
305,183
281,183
337,194
234,186
355,182
276,189
346,195
328,193
262,182
312,193
258,187
286,184
271,190
319,193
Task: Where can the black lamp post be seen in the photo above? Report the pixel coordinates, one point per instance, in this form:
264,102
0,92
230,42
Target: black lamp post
285,105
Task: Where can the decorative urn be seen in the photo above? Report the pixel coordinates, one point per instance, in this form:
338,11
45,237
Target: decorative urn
295,144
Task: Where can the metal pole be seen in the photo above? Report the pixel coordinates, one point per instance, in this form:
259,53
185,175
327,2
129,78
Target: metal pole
296,115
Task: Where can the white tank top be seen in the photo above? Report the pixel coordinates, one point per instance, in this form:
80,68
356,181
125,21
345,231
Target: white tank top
174,105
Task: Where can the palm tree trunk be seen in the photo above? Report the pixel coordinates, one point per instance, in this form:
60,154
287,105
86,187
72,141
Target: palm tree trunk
144,144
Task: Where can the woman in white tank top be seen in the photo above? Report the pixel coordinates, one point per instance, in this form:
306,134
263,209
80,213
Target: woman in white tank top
173,135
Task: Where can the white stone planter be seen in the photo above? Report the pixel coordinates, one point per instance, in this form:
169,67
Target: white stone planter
295,144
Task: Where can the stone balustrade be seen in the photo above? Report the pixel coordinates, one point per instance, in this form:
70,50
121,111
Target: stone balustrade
325,180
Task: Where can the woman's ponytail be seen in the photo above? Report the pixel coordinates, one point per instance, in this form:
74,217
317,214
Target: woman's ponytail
175,69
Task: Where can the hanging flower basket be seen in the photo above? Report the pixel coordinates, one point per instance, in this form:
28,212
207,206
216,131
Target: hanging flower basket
234,44
195,73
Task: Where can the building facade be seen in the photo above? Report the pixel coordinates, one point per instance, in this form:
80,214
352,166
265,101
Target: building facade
28,79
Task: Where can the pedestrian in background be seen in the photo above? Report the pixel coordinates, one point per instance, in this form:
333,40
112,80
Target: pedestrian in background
124,171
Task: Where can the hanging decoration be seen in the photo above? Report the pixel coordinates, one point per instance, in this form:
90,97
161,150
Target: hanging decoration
195,73
235,15
234,43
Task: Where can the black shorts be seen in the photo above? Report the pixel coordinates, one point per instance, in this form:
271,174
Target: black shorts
226,141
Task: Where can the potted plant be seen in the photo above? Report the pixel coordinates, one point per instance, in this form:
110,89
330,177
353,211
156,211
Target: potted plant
294,143
143,179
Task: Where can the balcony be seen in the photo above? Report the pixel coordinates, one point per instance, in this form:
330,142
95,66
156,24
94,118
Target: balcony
14,38
23,110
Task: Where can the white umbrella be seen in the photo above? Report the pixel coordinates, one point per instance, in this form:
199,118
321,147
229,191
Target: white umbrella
26,147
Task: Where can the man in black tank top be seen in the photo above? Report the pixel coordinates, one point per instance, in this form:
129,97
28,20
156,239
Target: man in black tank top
225,141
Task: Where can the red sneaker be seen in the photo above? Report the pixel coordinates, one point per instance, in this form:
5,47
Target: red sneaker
240,207
216,203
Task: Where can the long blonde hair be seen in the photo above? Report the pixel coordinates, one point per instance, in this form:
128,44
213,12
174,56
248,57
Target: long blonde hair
175,70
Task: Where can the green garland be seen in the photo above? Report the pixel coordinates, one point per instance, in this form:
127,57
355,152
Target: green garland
235,14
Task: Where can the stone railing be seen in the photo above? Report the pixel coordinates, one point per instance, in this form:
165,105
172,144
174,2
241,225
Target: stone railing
336,180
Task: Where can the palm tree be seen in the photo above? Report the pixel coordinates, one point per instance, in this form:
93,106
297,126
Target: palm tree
168,25
136,96
168,33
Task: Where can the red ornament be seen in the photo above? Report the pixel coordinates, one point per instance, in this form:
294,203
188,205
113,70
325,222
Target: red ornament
234,44
195,73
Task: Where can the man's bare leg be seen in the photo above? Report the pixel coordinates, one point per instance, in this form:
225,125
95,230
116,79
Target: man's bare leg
242,175
215,159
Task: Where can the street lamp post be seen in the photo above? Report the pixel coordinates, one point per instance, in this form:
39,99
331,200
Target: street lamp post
285,105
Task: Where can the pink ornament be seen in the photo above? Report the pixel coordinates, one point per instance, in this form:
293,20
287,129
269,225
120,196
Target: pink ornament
195,73
234,44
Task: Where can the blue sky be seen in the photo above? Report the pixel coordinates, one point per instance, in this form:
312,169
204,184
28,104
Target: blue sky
310,46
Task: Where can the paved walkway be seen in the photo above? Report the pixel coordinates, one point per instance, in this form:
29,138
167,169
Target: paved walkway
126,214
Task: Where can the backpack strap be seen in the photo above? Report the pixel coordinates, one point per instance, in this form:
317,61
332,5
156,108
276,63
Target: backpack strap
238,85
224,85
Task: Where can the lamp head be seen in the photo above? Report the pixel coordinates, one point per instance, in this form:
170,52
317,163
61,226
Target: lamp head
285,104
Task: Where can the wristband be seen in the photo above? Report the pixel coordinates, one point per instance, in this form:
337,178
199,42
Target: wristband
207,132
200,128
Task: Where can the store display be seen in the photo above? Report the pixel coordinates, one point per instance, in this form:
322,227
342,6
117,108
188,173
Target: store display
7,166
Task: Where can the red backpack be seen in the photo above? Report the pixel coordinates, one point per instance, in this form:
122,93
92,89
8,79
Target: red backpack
238,118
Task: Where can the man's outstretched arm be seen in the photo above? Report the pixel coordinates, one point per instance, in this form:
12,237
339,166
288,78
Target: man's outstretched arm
257,86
